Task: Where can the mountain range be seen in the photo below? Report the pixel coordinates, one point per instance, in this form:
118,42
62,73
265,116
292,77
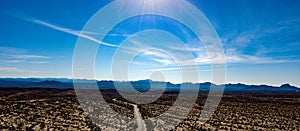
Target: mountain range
141,85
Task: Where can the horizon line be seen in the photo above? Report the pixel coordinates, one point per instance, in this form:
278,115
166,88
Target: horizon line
149,79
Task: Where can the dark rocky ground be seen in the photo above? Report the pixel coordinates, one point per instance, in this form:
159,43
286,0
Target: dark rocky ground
59,109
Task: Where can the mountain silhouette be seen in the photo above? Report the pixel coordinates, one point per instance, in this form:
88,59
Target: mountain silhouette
141,85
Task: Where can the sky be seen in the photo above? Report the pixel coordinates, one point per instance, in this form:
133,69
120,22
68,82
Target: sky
260,39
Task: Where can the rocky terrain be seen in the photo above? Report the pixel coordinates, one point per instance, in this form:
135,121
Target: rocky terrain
59,109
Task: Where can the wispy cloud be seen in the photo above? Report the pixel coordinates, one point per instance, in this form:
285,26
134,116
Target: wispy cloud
17,55
23,61
78,33
70,31
179,69
164,61
261,38
7,68
232,55
24,56
9,57
14,69
147,51
164,69
186,69
256,45
11,50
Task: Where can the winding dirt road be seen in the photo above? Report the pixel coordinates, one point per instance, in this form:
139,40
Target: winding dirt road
140,122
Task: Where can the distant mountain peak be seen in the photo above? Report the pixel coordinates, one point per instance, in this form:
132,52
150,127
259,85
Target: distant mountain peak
287,85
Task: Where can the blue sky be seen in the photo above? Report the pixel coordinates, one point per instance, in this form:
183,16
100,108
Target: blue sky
261,40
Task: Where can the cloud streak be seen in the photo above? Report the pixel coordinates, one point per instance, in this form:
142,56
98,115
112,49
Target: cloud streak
78,33
23,61
11,50
25,56
16,55
13,69
70,31
262,41
232,56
